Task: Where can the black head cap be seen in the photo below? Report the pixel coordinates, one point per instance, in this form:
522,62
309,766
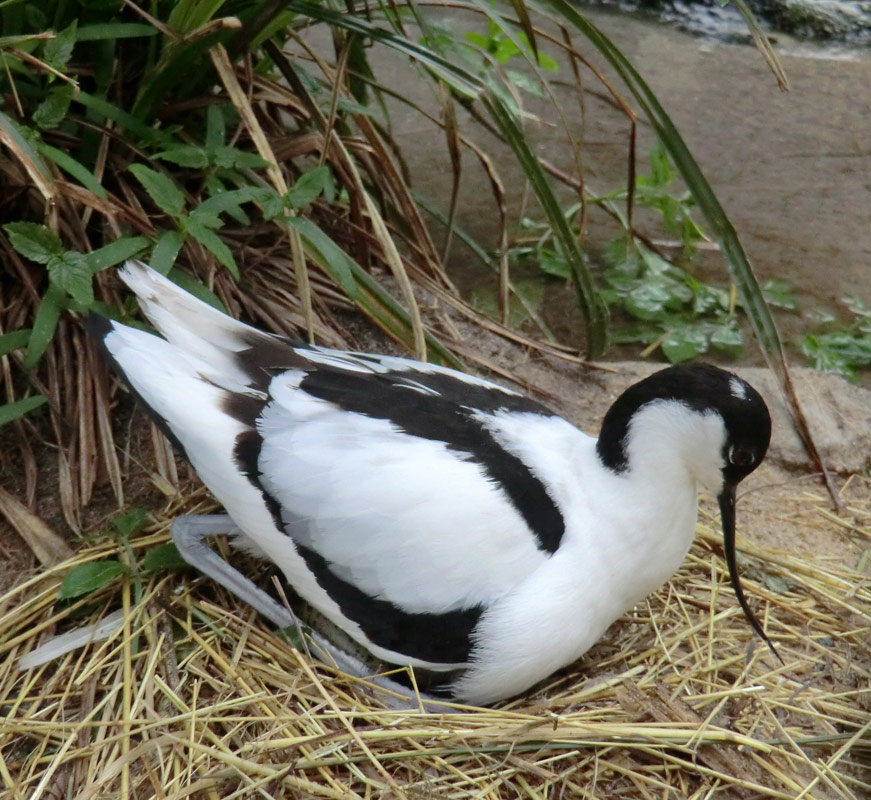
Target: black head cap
703,388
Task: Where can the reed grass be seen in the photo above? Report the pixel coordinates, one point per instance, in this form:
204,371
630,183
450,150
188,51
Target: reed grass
195,697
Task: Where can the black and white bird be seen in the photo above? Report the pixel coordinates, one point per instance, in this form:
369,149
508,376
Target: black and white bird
440,520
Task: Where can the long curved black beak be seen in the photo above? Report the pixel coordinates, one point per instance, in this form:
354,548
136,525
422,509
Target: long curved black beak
727,514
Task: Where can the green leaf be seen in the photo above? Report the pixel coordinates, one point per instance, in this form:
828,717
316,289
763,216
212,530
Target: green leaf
727,338
34,241
272,205
44,325
622,253
12,411
163,558
115,30
648,301
188,155
856,306
86,578
212,242
553,263
161,189
71,273
53,110
216,126
231,200
308,187
684,344
477,39
57,51
116,252
636,334
131,521
823,359
780,293
204,217
67,163
352,107
548,63
166,251
14,340
852,349
662,174
244,160
654,262
709,298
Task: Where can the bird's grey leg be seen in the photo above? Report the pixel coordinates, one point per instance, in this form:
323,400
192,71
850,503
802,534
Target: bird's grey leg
188,533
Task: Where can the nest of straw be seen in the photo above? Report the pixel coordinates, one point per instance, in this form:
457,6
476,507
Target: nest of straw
196,697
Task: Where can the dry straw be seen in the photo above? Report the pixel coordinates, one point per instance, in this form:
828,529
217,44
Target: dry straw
196,697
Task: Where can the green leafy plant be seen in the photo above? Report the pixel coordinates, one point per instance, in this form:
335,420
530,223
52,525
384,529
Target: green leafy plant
842,348
70,275
84,579
655,302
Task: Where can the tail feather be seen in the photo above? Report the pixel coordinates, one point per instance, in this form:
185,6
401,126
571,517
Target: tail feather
178,314
194,327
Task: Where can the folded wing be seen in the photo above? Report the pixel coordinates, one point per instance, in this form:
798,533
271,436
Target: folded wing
379,485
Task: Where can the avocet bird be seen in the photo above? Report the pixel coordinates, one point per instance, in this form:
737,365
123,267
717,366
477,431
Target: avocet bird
440,520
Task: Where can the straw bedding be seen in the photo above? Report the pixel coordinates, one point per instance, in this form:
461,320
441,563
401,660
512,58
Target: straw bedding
196,697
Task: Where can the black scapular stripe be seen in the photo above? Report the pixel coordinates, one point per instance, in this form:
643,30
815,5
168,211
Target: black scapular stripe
451,421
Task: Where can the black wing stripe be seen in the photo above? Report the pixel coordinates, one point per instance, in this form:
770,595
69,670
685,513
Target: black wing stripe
433,417
444,638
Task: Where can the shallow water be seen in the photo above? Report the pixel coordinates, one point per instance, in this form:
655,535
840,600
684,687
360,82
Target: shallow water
835,22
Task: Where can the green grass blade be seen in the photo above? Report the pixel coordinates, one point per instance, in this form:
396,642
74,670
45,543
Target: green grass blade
12,411
361,287
22,146
593,308
114,30
328,255
68,164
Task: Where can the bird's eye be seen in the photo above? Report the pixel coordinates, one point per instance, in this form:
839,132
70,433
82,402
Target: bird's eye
741,457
